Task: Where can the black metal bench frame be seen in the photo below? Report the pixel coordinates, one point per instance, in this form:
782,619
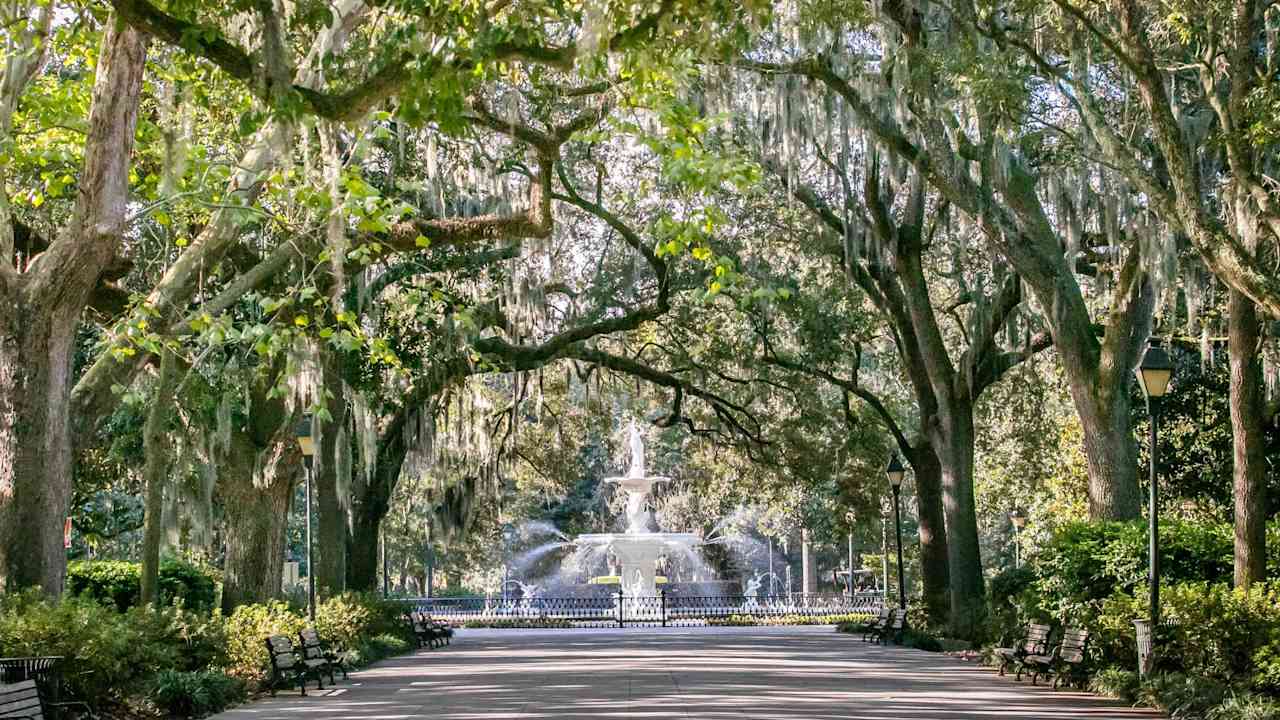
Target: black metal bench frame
314,648
877,625
895,628
288,668
427,631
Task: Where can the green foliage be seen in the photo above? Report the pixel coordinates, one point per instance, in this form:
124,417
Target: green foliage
344,621
1245,707
1224,634
1117,683
193,694
375,648
1084,563
107,652
193,585
248,627
114,581
120,583
1183,696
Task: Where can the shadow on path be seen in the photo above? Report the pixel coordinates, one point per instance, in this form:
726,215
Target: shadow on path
655,674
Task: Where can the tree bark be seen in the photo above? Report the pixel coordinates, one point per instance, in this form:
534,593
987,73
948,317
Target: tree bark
256,486
362,550
935,572
39,312
157,451
1247,412
331,528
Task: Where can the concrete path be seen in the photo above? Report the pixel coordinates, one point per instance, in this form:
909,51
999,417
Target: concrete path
656,674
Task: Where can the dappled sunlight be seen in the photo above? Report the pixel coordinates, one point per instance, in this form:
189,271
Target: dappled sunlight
810,673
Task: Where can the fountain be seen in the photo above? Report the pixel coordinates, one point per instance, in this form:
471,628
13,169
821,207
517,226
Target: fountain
639,548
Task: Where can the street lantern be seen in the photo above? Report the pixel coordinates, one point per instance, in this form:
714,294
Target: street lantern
1154,375
895,473
1155,372
306,442
1019,520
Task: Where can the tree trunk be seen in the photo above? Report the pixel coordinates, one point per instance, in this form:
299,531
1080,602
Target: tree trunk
955,440
157,449
39,312
331,528
256,508
935,573
35,447
1249,467
362,553
1110,448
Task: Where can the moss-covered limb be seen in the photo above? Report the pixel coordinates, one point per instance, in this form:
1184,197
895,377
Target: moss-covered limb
383,83
736,417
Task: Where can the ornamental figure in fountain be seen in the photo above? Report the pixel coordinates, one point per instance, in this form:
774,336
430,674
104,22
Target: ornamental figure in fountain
752,593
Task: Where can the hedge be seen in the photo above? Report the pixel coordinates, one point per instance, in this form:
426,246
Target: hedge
120,583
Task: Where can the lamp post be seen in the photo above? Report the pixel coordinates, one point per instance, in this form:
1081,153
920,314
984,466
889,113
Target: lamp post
308,446
1019,520
849,516
1154,374
896,473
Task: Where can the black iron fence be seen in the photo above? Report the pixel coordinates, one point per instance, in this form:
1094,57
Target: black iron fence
660,610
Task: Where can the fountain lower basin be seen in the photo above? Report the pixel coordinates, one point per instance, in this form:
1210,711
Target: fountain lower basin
638,555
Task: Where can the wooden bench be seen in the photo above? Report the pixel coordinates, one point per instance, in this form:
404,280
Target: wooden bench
427,631
877,625
289,669
1034,642
21,701
313,648
1066,662
893,629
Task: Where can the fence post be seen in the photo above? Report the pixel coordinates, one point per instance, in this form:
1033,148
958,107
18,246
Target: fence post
664,606
621,602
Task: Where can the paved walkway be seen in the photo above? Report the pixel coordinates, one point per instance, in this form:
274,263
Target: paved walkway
655,674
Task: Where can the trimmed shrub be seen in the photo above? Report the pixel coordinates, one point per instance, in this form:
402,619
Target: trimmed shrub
193,694
120,583
114,581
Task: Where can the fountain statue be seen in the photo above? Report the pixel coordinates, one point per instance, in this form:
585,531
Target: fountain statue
639,548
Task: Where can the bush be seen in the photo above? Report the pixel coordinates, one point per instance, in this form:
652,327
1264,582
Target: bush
1116,683
1086,562
247,628
195,586
120,583
107,652
1245,707
1224,634
1183,696
373,649
192,694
